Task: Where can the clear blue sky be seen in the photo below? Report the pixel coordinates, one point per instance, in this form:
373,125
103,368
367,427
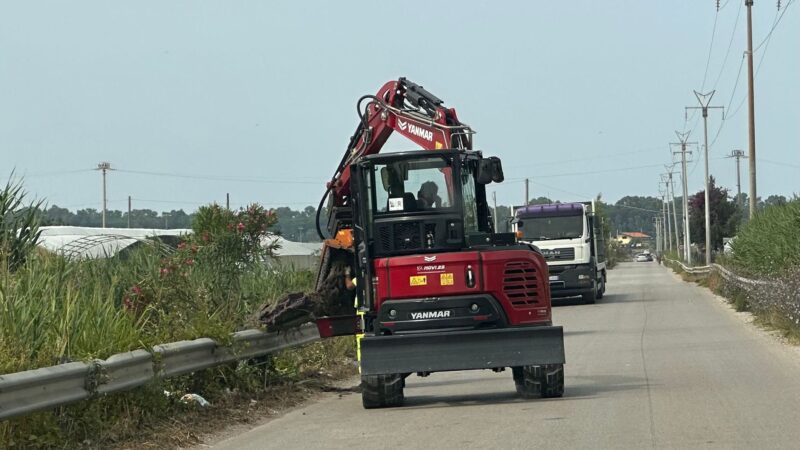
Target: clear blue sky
258,98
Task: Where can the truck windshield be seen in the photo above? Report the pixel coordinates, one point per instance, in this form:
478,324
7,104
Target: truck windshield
418,185
548,228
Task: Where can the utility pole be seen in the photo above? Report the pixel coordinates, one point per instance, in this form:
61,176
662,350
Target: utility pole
738,154
751,129
659,244
494,200
667,238
674,212
227,201
704,100
104,167
668,230
527,196
666,178
129,211
684,141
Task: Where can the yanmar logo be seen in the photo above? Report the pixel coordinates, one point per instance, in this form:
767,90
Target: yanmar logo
415,130
430,315
429,258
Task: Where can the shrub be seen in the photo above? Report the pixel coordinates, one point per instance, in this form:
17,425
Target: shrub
769,245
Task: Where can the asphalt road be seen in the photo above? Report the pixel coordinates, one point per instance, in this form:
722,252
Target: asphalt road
658,363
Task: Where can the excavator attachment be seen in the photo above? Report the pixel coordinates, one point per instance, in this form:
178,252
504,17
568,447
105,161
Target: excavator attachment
333,295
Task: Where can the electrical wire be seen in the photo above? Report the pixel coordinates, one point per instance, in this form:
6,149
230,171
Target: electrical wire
618,169
603,156
774,25
216,177
730,44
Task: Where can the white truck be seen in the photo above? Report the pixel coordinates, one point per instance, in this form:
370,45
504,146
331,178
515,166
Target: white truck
570,237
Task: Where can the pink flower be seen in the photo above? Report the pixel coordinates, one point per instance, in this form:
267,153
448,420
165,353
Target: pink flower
182,246
136,289
240,227
189,261
164,271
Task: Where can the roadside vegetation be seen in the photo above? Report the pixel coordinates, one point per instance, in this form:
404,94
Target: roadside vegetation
767,250
56,310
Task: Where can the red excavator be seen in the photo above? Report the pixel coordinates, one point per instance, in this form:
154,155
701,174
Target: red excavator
413,264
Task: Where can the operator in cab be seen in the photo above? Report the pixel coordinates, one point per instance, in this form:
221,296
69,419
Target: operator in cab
427,197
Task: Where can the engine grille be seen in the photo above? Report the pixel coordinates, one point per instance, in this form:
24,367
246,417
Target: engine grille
400,236
520,284
559,254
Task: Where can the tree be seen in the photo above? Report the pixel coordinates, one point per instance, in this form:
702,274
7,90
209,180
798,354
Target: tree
542,201
724,214
634,213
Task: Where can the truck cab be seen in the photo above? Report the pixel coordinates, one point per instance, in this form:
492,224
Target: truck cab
569,236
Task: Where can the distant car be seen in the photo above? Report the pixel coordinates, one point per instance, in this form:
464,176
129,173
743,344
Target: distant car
641,257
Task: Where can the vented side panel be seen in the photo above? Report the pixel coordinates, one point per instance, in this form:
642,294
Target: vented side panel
520,284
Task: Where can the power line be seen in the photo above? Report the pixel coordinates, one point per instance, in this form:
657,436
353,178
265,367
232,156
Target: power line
730,44
619,169
56,173
603,156
710,47
764,42
778,163
217,177
705,72
774,25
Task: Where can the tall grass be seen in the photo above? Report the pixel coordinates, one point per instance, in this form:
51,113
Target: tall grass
53,310
769,245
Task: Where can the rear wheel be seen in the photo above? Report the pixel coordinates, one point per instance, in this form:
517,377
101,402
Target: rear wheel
546,381
380,391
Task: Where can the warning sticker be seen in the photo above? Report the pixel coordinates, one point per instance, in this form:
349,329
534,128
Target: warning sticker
446,279
395,204
418,280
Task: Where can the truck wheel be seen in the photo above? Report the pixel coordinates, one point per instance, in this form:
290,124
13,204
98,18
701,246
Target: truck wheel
379,391
546,381
589,297
602,289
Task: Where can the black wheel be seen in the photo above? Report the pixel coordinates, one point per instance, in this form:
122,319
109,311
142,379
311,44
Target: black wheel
380,391
589,297
602,289
545,381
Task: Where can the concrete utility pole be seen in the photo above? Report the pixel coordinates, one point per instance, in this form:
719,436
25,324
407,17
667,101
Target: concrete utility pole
104,167
674,213
738,154
129,211
704,100
656,222
751,129
684,141
664,223
666,178
494,200
668,230
228,201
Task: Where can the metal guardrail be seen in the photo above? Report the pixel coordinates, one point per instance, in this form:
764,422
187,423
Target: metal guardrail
725,273
48,387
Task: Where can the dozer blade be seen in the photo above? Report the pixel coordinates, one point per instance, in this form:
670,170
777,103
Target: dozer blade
330,298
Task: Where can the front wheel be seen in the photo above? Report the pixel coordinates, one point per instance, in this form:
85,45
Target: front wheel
546,381
590,296
381,391
602,289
